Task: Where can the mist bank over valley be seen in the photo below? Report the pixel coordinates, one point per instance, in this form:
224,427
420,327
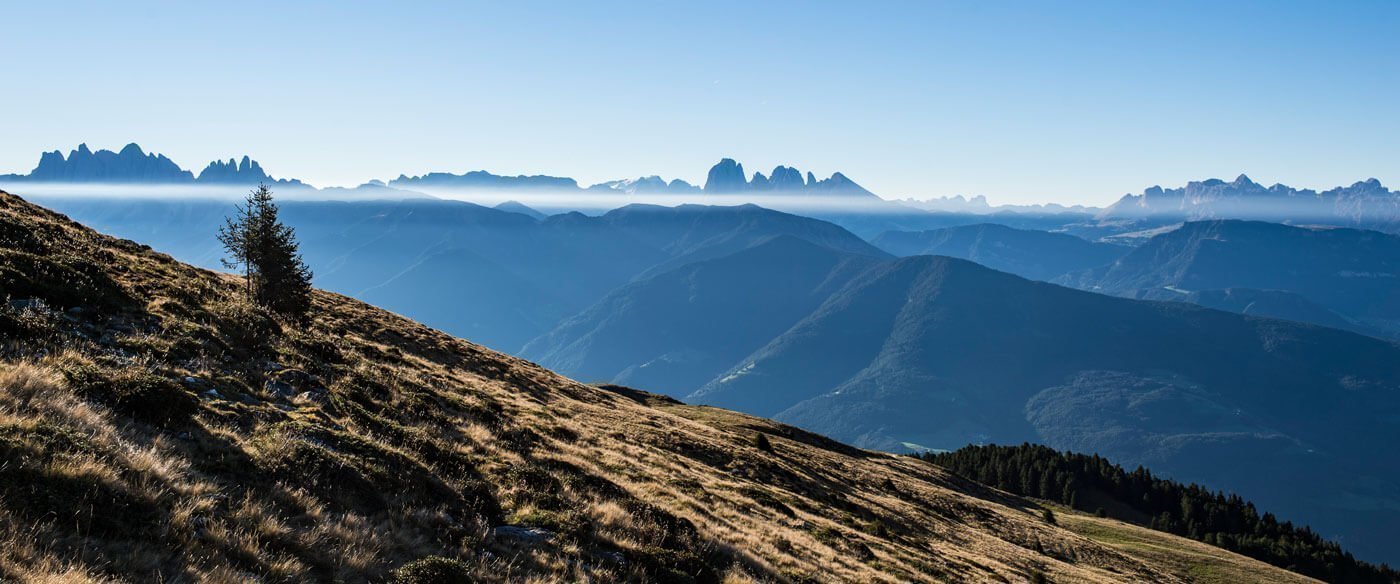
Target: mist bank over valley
132,172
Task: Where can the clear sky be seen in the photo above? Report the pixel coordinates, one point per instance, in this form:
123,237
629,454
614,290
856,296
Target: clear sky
1019,101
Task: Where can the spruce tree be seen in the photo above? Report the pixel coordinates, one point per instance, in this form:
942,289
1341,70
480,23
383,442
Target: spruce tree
266,251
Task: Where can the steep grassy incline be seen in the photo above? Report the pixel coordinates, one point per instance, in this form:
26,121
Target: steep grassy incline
153,427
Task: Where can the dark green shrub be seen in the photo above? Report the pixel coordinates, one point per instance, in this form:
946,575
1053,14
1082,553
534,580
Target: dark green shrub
766,499
150,398
286,456
760,441
154,399
16,235
28,326
62,281
246,329
80,505
433,570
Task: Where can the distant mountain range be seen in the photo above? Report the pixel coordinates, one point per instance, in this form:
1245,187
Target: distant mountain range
838,199
647,185
725,178
979,205
133,165
1365,204
482,180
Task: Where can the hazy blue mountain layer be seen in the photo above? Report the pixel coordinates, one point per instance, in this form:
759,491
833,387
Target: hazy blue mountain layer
1037,255
1346,278
677,330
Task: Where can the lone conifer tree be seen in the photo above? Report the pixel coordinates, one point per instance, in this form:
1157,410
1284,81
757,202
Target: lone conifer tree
266,250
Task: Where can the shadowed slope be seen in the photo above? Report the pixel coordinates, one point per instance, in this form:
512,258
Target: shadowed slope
676,330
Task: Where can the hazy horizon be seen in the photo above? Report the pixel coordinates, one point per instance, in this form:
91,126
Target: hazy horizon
1019,102
583,198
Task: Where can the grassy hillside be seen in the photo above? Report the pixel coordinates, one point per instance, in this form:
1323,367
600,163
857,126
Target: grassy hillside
1194,561
155,428
1223,520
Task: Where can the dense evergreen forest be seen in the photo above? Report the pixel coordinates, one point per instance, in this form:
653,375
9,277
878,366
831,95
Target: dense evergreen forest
1223,520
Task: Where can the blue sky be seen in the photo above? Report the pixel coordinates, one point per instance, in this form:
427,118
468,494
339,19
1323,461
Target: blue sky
1019,101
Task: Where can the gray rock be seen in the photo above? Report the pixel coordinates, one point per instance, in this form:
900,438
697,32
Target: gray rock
522,533
294,377
312,396
614,557
280,389
27,304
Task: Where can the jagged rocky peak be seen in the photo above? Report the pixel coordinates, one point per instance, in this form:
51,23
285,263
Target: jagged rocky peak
1365,203
50,158
839,184
645,185
786,178
726,177
1370,184
483,180
131,164
760,182
245,171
